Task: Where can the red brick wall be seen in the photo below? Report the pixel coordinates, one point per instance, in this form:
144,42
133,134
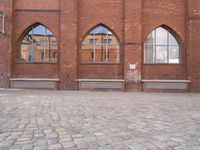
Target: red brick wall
130,20
24,20
92,13
37,4
101,71
68,44
193,55
165,12
133,43
6,44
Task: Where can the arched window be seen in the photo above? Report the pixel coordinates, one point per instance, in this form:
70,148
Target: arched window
39,46
100,46
161,47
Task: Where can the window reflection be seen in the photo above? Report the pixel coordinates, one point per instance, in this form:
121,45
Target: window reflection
39,45
161,47
100,46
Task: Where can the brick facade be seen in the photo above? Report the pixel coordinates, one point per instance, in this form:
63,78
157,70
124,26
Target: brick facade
130,21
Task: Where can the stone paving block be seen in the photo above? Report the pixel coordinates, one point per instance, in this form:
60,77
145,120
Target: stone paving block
160,144
136,146
40,148
52,141
51,135
4,147
82,145
16,147
27,147
40,142
55,147
68,144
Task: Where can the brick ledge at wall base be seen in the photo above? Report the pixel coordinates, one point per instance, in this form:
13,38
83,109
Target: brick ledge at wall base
106,84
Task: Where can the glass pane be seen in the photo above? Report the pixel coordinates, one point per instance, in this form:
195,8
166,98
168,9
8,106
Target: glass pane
24,53
161,54
53,50
98,53
113,54
172,40
31,53
38,53
86,55
100,30
39,30
161,36
149,54
150,39
27,39
174,54
48,32
104,53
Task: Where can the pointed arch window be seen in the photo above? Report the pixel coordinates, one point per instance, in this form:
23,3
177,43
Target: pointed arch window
100,46
39,45
161,47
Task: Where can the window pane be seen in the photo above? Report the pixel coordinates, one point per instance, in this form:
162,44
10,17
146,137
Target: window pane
38,50
161,36
39,30
150,39
149,54
86,53
174,54
99,53
113,54
104,53
161,54
172,40
100,30
25,52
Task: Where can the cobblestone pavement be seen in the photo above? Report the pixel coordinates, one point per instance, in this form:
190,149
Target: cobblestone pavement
40,120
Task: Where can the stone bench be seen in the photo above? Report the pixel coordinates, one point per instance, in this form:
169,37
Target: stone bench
34,83
101,84
166,84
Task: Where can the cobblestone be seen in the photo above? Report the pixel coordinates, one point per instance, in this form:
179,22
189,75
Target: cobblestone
45,120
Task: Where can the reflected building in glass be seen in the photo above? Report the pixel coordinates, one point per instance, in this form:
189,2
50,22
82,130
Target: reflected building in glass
39,46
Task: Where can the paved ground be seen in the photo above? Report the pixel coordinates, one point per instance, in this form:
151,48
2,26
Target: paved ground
96,120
